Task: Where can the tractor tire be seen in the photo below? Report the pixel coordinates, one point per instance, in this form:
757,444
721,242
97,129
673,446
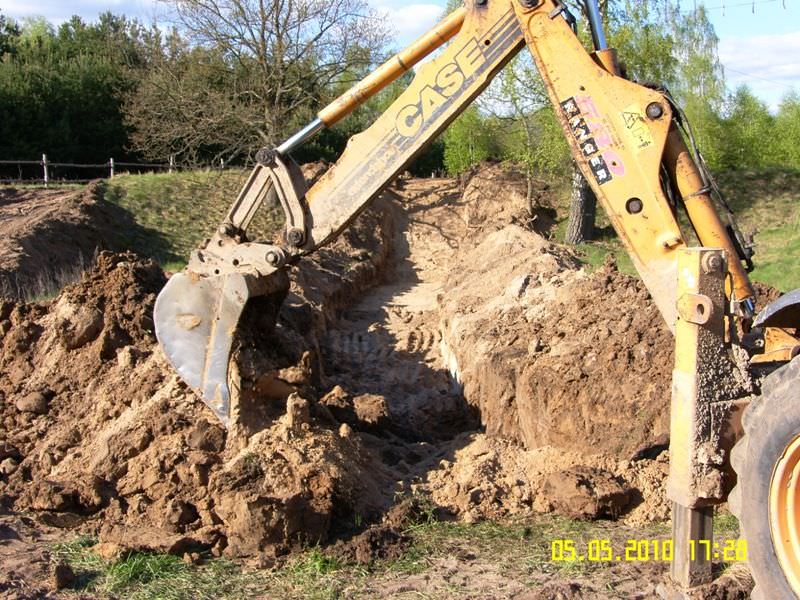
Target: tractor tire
765,460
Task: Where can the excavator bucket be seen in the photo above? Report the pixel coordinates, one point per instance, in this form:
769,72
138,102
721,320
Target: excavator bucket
195,320
197,312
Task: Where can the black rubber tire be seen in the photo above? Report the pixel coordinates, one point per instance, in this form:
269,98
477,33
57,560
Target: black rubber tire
770,423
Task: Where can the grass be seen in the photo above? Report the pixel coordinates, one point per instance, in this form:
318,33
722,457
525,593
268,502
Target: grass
181,209
518,550
141,576
522,546
47,284
769,203
765,202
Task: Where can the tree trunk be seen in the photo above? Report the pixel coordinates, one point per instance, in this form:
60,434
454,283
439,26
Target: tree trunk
582,210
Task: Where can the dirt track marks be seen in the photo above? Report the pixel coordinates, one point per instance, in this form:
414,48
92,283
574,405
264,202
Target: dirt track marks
388,343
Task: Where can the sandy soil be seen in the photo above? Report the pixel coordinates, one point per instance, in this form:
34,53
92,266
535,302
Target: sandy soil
432,351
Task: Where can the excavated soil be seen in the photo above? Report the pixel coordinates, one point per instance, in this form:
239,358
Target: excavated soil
47,236
441,348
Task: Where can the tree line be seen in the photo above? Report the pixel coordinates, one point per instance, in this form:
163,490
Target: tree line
231,77
658,45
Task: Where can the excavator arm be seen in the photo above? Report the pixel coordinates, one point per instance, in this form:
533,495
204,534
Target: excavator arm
625,137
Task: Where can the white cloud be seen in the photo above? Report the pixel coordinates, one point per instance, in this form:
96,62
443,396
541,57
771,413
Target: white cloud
766,63
408,21
58,11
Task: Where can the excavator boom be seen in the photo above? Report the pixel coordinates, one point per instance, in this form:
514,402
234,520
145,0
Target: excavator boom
623,136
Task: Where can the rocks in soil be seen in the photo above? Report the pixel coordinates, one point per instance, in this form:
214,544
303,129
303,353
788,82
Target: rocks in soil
559,590
97,433
62,576
586,493
377,542
477,476
33,402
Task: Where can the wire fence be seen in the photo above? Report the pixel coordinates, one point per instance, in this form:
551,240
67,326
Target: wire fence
46,172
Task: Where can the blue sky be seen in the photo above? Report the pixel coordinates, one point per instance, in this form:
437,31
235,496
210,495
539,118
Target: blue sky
759,40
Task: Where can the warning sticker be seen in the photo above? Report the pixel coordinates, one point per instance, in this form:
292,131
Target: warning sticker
636,128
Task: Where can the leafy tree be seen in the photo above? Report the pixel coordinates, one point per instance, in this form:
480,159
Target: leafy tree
467,141
787,132
60,91
747,132
190,103
9,36
271,64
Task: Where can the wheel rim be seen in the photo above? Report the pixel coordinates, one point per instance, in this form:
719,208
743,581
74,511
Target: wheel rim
784,512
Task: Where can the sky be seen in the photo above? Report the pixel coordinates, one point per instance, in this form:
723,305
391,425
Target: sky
759,39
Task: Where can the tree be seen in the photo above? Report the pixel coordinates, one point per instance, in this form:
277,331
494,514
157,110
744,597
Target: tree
531,133
9,36
192,105
467,141
269,65
748,132
699,86
787,132
60,91
582,210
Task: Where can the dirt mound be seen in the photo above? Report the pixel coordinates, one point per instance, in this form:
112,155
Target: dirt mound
100,435
557,357
586,493
499,194
50,236
478,477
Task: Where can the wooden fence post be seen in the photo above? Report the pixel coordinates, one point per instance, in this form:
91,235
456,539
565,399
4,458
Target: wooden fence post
171,162
44,165
111,165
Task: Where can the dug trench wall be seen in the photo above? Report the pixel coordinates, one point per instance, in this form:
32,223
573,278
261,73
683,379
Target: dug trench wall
550,354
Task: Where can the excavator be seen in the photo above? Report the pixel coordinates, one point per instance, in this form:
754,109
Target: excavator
636,149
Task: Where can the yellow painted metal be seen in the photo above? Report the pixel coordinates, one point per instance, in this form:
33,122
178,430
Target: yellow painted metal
701,211
784,512
780,345
603,112
393,68
442,87
694,485
607,59
699,342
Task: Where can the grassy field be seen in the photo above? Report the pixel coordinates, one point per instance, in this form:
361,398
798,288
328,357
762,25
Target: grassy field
518,551
769,204
180,209
766,203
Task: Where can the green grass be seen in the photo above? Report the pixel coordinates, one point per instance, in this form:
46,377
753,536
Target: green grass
769,202
765,202
140,576
517,549
521,547
175,212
